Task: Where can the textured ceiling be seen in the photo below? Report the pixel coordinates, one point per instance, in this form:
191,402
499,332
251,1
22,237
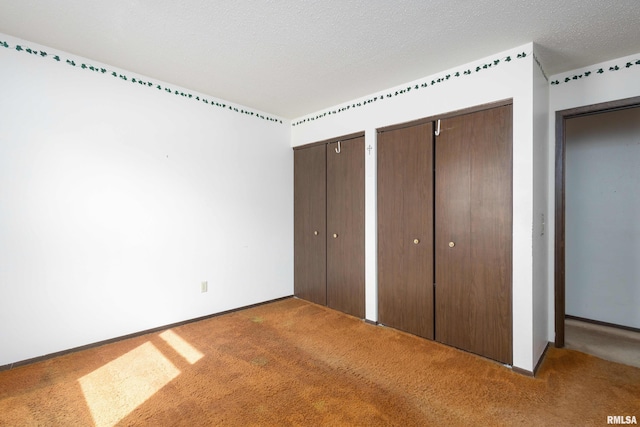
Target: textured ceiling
294,57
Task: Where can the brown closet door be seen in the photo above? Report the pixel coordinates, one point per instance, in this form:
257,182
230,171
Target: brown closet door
345,227
310,237
474,233
405,229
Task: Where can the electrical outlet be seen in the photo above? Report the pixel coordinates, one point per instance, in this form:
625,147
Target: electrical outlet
204,287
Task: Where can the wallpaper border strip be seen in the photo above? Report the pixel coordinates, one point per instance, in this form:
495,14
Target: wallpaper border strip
412,88
600,70
142,82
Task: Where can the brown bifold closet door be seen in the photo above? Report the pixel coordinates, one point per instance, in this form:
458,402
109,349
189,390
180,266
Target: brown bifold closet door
345,226
310,237
405,229
474,233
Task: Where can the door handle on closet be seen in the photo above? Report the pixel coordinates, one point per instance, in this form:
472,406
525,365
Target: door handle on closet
335,235
416,241
315,233
452,244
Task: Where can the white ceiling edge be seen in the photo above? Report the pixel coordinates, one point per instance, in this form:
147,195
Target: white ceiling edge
291,58
439,77
79,61
622,63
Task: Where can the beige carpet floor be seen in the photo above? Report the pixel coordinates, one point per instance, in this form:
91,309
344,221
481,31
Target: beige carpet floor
293,363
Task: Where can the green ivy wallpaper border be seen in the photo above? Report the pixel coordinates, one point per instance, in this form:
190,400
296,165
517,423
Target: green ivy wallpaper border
535,58
600,70
418,86
347,107
137,80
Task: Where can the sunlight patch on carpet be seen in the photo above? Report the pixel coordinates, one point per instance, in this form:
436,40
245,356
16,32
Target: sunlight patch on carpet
183,348
260,361
319,405
114,390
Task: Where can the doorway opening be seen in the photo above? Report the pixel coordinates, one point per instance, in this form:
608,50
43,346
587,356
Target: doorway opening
586,301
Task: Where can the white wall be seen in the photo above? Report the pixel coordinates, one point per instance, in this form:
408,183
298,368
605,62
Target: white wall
540,210
118,199
602,230
506,79
609,85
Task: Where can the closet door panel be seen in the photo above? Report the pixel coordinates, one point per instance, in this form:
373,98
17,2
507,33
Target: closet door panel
455,313
345,227
310,252
405,229
491,227
474,233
